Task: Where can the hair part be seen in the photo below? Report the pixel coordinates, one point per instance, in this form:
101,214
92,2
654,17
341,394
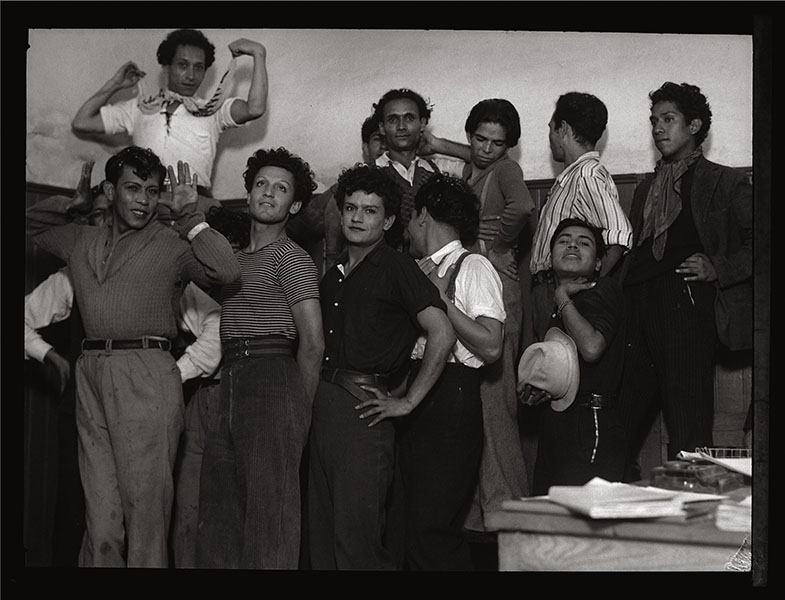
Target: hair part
451,201
586,114
423,109
690,101
144,163
185,37
496,110
304,184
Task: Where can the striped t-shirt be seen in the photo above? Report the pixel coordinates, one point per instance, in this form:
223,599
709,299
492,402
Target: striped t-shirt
274,278
584,190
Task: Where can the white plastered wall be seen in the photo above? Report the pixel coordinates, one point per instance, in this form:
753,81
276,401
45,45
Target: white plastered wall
323,83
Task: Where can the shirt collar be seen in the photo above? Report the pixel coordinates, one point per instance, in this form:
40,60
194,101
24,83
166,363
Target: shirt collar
445,251
373,256
590,155
385,161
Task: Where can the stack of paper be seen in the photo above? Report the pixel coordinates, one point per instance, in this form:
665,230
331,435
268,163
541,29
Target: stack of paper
741,464
600,499
734,516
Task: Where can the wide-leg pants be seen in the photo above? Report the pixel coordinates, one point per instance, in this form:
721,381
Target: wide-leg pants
129,415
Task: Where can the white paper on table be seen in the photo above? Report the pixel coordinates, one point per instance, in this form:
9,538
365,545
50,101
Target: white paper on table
600,499
739,465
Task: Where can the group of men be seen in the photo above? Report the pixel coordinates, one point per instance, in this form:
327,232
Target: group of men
389,373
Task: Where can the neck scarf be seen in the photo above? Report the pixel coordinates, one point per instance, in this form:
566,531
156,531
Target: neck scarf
663,203
160,102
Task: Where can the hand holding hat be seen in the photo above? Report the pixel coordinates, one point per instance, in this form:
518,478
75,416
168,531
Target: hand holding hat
550,370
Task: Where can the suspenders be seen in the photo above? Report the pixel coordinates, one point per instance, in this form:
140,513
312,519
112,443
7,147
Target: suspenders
451,284
483,196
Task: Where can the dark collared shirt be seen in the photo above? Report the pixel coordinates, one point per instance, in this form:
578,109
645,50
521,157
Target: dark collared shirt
370,317
603,307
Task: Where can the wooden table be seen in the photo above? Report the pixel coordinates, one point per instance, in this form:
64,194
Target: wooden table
537,535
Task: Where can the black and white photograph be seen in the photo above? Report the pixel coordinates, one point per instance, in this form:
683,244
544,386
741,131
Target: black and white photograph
432,288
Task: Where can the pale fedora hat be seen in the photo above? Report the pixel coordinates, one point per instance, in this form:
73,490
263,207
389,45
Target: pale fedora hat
552,365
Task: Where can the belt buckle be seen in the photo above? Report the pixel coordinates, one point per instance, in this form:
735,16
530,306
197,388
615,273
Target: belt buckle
108,345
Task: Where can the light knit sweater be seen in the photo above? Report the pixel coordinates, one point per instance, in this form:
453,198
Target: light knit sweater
138,291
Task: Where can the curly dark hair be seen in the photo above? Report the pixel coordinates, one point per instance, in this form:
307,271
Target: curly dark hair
402,94
143,162
599,242
452,201
586,113
371,180
496,110
304,184
185,37
235,225
691,103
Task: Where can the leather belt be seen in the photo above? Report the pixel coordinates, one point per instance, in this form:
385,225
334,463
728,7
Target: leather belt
352,380
142,343
264,345
594,400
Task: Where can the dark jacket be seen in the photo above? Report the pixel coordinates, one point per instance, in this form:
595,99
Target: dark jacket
721,199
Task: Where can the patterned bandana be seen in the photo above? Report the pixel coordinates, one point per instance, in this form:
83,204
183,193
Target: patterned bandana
151,104
663,204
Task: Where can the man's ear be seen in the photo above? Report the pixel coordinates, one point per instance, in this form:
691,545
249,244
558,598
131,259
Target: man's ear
108,190
565,130
295,207
388,222
422,216
598,265
695,125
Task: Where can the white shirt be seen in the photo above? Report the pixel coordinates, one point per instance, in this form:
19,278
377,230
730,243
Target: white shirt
478,293
449,166
189,138
51,302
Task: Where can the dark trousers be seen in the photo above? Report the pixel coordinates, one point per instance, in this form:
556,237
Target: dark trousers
542,307
440,449
574,448
69,524
668,364
249,497
351,470
200,415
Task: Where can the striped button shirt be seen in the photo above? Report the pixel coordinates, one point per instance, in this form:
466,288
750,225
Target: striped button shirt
584,190
274,278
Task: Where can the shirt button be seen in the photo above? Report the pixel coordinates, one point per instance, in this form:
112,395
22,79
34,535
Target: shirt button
326,358
336,304
330,331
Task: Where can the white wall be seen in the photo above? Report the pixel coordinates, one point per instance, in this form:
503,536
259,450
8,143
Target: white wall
324,81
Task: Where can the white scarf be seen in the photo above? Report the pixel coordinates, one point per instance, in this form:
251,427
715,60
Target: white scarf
155,103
